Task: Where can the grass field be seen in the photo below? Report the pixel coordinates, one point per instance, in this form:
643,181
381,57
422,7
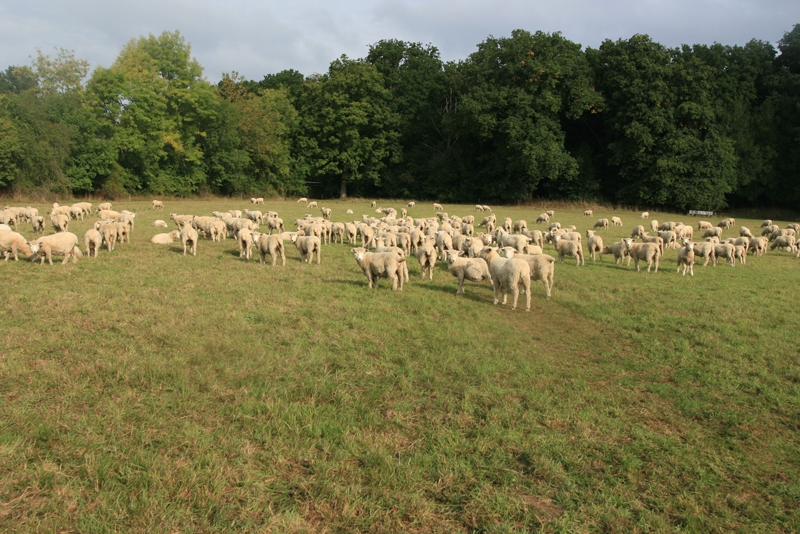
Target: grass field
145,391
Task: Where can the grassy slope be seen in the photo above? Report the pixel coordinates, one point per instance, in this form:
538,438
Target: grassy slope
144,390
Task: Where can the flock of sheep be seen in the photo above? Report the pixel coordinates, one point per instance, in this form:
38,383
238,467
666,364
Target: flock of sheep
507,254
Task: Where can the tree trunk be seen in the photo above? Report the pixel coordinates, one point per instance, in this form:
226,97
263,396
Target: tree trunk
343,190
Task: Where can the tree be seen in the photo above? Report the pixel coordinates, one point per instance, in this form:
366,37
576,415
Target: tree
349,131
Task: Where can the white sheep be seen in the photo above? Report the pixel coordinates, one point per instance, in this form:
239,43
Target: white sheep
566,247
60,222
165,239
648,252
158,223
542,266
542,218
4,227
426,255
437,207
92,241
745,232
326,212
705,250
104,206
13,243
520,226
109,233
670,238
595,244
616,221
588,213
601,223
686,258
189,239
380,265
619,251
725,250
308,245
412,204
645,215
508,274
60,244
472,269
301,200
759,245
551,213
654,225
637,231
740,253
784,241
217,230
269,244
158,205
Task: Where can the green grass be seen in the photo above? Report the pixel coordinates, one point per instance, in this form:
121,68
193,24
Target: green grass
148,391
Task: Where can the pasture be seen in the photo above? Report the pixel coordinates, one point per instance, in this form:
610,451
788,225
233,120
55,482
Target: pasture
147,391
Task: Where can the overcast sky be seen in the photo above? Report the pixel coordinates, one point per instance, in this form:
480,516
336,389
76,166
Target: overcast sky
255,38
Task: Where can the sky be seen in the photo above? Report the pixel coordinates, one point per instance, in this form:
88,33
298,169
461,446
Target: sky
258,37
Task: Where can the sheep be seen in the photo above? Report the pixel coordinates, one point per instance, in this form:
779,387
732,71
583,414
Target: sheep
104,206
60,222
38,224
519,242
572,236
777,233
520,226
189,239
726,223
326,213
725,250
551,213
486,208
536,237
13,243
349,211
8,218
714,239
508,274
713,231
601,223
367,235
443,243
62,243
739,241
478,207
794,226
352,233
92,241
180,219
380,265
686,232
648,252
275,223
158,223
308,245
403,241
269,244
654,225
666,226
686,258
165,239
645,215
76,213
216,230
784,241
670,239
373,203
759,245
637,231
472,269
312,204
4,227
128,218
412,204
595,243
437,207
770,230
619,251
705,250
301,200
158,205
426,255
616,221
123,234
587,213
542,267
507,224
542,218
740,253
654,239
767,222
567,247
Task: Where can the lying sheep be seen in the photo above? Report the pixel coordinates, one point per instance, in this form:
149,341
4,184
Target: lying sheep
189,238
380,265
472,269
542,266
165,239
158,223
595,243
686,258
566,247
269,244
308,245
60,244
508,274
648,252
92,241
13,243
601,223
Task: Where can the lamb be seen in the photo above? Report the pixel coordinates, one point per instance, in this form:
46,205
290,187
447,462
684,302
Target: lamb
542,267
588,213
158,223
759,245
705,250
92,241
645,215
686,258
437,207
269,244
158,205
648,252
472,269
508,274
380,265
165,239
307,245
13,243
62,243
601,223
595,243
725,250
189,239
616,221
567,247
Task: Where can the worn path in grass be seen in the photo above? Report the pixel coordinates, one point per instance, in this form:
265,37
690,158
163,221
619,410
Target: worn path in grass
148,391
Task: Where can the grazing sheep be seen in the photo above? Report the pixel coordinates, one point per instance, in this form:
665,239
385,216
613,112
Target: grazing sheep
784,241
380,265
13,243
645,215
740,253
326,213
551,213
637,231
92,241
619,251
588,213
519,242
216,230
705,250
60,222
520,226
308,245
37,221
654,225
595,243
536,237
189,239
601,223
543,218
301,200
275,223
566,247
657,239
616,221
648,252
123,233
686,232
412,204
109,233
312,204
768,230
60,244
686,258
158,205
104,206
542,266
713,232
4,228
759,245
472,269
437,207
726,223
725,250
508,274
478,207
180,219
767,222
158,223
165,239
349,211
269,244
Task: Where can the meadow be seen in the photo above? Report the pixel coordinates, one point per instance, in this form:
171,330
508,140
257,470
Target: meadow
147,391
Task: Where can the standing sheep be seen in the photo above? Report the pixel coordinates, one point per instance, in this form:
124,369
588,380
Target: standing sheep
472,269
595,243
13,243
269,244
308,245
92,241
61,244
508,274
426,254
158,205
542,266
601,223
686,258
616,221
648,252
380,265
705,250
588,213
437,207
566,247
189,238
645,215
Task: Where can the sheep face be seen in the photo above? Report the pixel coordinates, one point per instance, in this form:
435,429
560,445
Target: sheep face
358,253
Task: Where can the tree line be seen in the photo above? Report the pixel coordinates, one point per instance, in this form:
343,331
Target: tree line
526,116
